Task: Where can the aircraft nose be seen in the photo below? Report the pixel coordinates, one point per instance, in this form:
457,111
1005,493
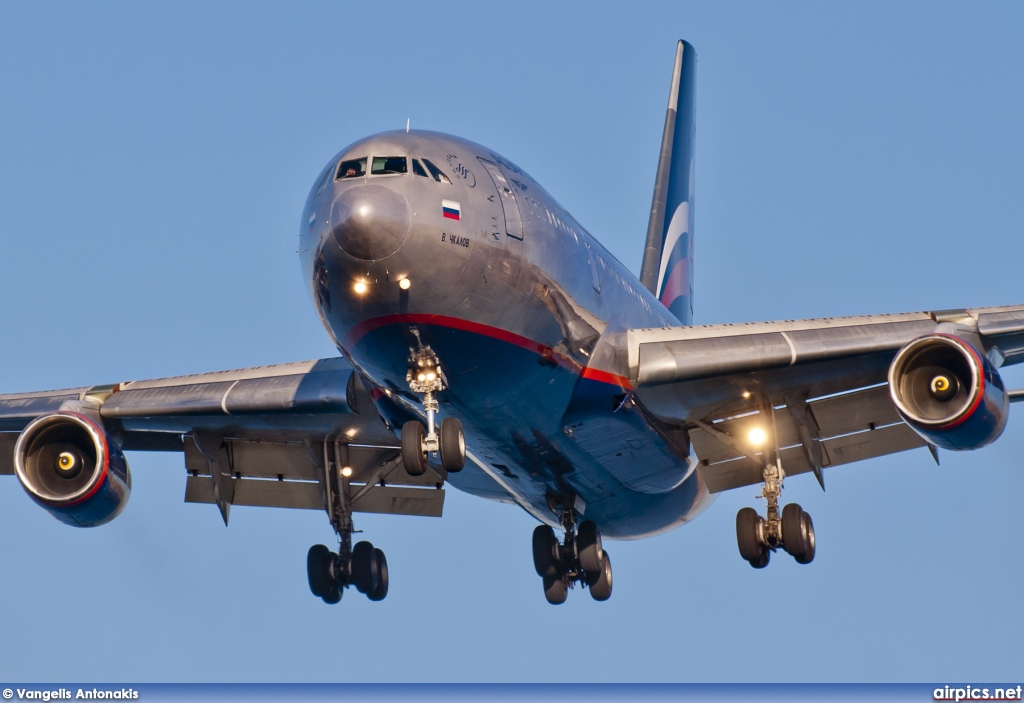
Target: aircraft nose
370,222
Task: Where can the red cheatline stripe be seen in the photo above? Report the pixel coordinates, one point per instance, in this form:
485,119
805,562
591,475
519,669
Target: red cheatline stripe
367,326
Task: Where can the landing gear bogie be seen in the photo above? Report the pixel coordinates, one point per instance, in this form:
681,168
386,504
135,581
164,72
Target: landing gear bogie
579,558
757,537
363,565
366,568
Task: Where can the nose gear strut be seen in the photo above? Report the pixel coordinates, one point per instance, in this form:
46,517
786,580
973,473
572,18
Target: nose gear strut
426,378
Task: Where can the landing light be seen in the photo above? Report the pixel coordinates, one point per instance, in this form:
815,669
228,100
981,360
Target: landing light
757,436
346,471
359,287
404,284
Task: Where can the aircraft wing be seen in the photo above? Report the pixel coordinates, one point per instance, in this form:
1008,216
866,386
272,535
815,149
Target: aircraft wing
821,384
259,437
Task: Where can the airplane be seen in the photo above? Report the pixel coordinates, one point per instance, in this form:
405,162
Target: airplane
489,342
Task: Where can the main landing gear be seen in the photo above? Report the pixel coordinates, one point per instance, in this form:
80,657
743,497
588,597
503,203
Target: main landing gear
363,566
579,558
759,536
426,378
366,568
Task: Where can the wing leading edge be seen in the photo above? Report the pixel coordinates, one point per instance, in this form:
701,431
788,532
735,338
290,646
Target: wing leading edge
821,384
258,437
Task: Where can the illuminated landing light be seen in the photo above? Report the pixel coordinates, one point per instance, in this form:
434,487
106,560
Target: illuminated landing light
745,395
404,284
346,471
359,287
757,436
364,210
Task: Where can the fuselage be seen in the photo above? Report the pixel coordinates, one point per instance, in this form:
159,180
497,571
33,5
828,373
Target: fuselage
420,238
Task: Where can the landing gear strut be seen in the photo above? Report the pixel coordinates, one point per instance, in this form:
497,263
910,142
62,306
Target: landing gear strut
793,530
363,566
426,378
579,558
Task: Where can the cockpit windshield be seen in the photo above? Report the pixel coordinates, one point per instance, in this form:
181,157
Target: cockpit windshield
352,168
388,164
436,173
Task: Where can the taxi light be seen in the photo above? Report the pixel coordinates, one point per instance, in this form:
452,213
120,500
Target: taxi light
359,287
404,284
757,436
346,471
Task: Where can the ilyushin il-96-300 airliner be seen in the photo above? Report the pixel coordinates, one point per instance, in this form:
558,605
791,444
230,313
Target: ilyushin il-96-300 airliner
488,341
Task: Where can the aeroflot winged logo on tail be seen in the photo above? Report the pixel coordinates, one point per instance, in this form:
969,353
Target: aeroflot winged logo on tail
668,255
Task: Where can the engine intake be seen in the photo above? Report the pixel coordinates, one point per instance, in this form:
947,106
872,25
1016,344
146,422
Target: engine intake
71,467
948,392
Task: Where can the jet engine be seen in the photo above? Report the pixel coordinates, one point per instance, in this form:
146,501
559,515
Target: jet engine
70,466
948,392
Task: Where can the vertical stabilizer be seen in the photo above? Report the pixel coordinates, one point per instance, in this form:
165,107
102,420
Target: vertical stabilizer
667,269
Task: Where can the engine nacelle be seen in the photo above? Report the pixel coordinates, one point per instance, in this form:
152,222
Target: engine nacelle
70,466
948,392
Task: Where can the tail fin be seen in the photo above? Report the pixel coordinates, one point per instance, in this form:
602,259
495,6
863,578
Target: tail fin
667,269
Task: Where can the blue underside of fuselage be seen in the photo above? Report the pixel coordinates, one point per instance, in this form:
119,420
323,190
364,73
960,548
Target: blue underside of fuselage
521,405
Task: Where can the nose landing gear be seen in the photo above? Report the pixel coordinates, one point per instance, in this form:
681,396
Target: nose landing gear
426,378
579,558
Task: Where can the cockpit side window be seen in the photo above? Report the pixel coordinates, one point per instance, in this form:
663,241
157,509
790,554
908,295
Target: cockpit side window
353,168
436,173
417,168
323,181
388,164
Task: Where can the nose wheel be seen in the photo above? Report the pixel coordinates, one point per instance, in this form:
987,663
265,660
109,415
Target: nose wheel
426,378
579,558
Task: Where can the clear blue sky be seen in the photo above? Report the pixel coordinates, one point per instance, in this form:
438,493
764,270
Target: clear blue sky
851,158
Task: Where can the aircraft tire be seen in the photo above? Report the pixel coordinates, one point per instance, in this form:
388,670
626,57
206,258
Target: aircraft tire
381,591
762,560
453,445
808,528
545,560
750,546
413,456
333,596
589,549
601,588
554,589
318,564
365,568
794,535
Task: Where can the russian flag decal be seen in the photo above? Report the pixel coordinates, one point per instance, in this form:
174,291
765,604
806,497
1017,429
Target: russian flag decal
450,209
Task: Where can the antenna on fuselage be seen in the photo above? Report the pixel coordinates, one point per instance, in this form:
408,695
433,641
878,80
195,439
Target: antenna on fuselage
407,121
